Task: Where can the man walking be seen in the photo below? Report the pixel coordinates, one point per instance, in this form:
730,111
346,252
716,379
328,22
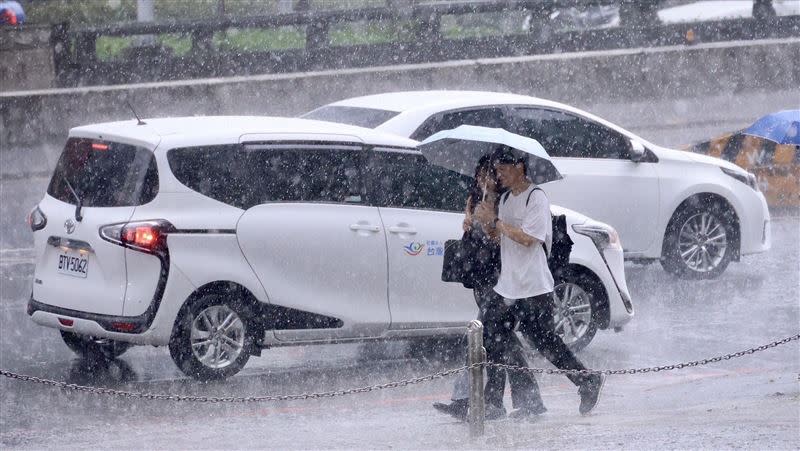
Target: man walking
499,339
524,225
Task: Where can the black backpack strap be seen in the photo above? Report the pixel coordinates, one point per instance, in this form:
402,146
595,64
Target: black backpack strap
531,193
527,201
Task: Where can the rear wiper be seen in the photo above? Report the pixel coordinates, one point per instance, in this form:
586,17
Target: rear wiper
78,216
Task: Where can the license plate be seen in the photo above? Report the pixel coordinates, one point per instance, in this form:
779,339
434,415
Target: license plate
73,263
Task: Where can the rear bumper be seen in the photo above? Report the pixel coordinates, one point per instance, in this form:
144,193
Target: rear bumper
84,323
156,323
128,326
108,323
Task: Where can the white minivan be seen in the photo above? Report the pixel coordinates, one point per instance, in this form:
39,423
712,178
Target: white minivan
221,236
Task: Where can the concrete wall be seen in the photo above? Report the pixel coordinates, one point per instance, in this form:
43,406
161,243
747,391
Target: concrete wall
616,84
26,58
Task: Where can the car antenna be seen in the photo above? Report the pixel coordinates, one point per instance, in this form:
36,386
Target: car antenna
141,122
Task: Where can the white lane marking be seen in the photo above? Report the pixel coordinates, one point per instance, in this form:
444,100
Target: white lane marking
18,250
18,256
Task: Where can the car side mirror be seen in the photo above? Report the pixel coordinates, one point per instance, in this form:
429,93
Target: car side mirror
636,151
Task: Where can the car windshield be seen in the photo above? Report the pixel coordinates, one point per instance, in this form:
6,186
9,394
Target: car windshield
104,174
362,117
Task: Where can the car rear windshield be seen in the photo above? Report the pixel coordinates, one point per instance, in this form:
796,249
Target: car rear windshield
362,117
104,174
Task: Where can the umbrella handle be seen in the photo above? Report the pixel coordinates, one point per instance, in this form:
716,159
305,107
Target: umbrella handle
484,192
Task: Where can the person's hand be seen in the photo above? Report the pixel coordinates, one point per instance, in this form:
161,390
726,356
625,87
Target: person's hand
484,214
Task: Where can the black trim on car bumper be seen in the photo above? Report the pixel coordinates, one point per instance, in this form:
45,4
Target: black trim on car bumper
142,322
205,231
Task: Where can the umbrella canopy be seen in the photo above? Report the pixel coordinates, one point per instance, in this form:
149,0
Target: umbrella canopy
782,127
460,149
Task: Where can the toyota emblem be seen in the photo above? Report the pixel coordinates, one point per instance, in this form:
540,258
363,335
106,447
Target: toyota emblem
69,225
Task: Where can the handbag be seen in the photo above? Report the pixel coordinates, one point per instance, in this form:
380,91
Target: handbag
454,261
473,260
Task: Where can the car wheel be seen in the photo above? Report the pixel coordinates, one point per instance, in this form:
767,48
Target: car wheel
89,347
577,300
699,243
212,339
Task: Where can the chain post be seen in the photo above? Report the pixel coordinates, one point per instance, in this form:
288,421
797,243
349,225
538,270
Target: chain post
477,356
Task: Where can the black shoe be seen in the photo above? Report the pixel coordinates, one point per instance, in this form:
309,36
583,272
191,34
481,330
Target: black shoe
493,412
457,409
590,393
527,412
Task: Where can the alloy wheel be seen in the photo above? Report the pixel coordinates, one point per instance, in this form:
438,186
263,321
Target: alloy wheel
217,336
702,242
573,312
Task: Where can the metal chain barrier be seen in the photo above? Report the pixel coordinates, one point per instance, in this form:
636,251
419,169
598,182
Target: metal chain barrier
404,383
231,399
654,369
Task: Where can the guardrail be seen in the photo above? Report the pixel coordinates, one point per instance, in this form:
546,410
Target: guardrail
77,63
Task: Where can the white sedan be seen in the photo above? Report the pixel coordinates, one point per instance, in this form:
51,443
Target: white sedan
693,213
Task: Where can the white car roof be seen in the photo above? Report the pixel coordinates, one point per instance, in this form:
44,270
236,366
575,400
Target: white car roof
216,130
405,101
414,107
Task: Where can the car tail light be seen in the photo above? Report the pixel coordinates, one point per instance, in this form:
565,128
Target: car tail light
36,219
124,327
144,236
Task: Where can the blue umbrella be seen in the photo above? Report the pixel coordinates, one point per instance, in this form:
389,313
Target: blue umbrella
782,127
460,149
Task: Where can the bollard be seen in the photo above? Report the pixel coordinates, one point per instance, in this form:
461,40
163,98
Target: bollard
476,354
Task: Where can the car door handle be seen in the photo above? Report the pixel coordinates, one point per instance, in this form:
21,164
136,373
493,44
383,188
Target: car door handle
367,227
398,229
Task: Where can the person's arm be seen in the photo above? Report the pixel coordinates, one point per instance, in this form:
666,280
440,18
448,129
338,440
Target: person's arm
515,233
533,222
490,221
467,225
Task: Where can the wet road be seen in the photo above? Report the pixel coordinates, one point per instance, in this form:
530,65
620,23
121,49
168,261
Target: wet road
752,402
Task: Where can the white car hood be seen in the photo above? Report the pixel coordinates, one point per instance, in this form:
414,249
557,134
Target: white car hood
573,217
664,153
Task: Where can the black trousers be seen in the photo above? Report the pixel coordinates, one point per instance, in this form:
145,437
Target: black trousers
535,318
503,346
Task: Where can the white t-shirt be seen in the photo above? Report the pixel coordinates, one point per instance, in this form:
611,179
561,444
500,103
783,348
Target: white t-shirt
524,272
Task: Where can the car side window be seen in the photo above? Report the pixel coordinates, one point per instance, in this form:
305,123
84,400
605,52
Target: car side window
408,181
485,117
244,176
304,175
567,135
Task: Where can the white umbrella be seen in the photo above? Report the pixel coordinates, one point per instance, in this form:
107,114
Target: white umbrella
459,150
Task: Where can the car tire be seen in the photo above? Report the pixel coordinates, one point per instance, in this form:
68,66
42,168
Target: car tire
213,338
699,242
578,299
88,347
